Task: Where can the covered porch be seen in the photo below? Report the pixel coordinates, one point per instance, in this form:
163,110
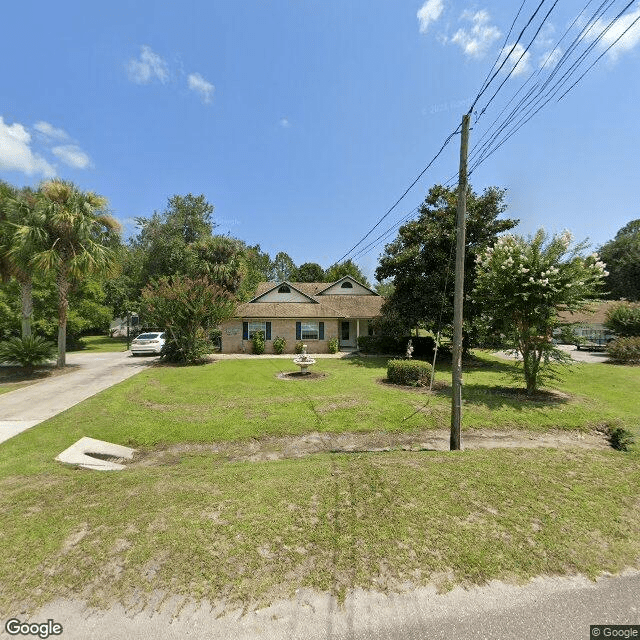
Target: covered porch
349,330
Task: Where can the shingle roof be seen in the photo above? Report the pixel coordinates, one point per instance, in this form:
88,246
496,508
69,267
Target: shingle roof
595,314
325,306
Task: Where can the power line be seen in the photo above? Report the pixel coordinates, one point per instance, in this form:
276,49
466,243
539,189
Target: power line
515,66
478,148
497,71
549,95
399,200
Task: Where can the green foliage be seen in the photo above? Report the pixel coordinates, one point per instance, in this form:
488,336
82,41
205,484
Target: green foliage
346,268
423,346
624,319
420,261
568,335
258,343
282,268
385,288
187,309
333,345
409,372
299,346
279,345
625,350
29,351
622,257
522,285
309,272
620,438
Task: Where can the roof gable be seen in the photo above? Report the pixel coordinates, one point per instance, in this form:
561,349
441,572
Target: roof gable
346,286
283,292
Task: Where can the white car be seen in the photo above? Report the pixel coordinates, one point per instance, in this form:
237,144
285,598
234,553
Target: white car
150,343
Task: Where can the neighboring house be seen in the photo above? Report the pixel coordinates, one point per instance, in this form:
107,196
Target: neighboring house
588,325
311,312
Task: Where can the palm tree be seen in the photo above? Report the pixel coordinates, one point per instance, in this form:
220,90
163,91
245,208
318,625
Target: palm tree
80,240
24,236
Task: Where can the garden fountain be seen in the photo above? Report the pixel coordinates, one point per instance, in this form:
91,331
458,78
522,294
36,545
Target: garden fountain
304,361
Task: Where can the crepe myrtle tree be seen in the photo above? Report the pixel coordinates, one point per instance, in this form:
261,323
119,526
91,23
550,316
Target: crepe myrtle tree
189,310
522,284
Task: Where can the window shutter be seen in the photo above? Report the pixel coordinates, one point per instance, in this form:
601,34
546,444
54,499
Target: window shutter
245,330
321,331
298,330
268,331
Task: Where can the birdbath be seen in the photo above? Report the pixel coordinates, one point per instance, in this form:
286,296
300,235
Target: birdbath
304,361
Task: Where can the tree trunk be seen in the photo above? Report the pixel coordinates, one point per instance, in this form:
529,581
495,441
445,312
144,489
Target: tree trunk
26,292
63,307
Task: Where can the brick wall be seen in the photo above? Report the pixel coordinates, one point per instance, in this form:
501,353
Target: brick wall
232,341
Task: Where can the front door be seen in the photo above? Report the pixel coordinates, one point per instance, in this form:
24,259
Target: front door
344,332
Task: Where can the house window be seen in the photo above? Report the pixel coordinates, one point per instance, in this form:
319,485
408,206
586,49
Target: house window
310,331
257,326
284,289
346,285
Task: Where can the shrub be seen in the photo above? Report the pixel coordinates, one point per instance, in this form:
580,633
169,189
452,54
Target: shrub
279,345
409,372
625,350
299,346
567,335
620,439
258,342
423,346
624,320
29,351
333,345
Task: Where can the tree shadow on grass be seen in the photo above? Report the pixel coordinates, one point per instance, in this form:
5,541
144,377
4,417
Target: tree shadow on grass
497,397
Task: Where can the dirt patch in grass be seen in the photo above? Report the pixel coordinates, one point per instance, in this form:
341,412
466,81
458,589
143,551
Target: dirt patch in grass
288,447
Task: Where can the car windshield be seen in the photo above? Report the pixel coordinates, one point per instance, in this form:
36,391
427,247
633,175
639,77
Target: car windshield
148,336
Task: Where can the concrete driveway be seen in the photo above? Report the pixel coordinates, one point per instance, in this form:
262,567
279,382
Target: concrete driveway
28,406
572,350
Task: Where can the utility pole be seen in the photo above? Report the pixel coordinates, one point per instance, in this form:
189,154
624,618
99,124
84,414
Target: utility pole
456,369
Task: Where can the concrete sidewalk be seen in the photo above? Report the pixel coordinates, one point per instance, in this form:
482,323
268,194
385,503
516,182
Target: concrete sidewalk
30,405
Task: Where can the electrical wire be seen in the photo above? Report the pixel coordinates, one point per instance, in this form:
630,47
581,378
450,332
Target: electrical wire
399,200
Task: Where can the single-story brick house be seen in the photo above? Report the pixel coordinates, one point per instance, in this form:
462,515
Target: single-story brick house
313,312
588,324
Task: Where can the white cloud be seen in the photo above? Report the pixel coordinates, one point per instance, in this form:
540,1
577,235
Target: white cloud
550,59
514,62
630,39
148,67
198,84
72,155
284,123
429,12
476,41
16,153
49,131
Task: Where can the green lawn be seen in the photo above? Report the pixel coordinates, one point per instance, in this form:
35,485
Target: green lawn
203,526
101,344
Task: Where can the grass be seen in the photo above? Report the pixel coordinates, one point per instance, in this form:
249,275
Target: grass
102,344
202,526
240,399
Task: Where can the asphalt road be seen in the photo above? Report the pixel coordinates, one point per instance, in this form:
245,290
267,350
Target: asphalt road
544,609
30,405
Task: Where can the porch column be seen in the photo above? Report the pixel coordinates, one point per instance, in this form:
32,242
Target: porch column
357,330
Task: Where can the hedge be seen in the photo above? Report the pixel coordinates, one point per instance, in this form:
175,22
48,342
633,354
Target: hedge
409,372
625,350
423,346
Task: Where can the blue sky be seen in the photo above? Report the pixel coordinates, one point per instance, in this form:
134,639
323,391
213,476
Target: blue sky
303,121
